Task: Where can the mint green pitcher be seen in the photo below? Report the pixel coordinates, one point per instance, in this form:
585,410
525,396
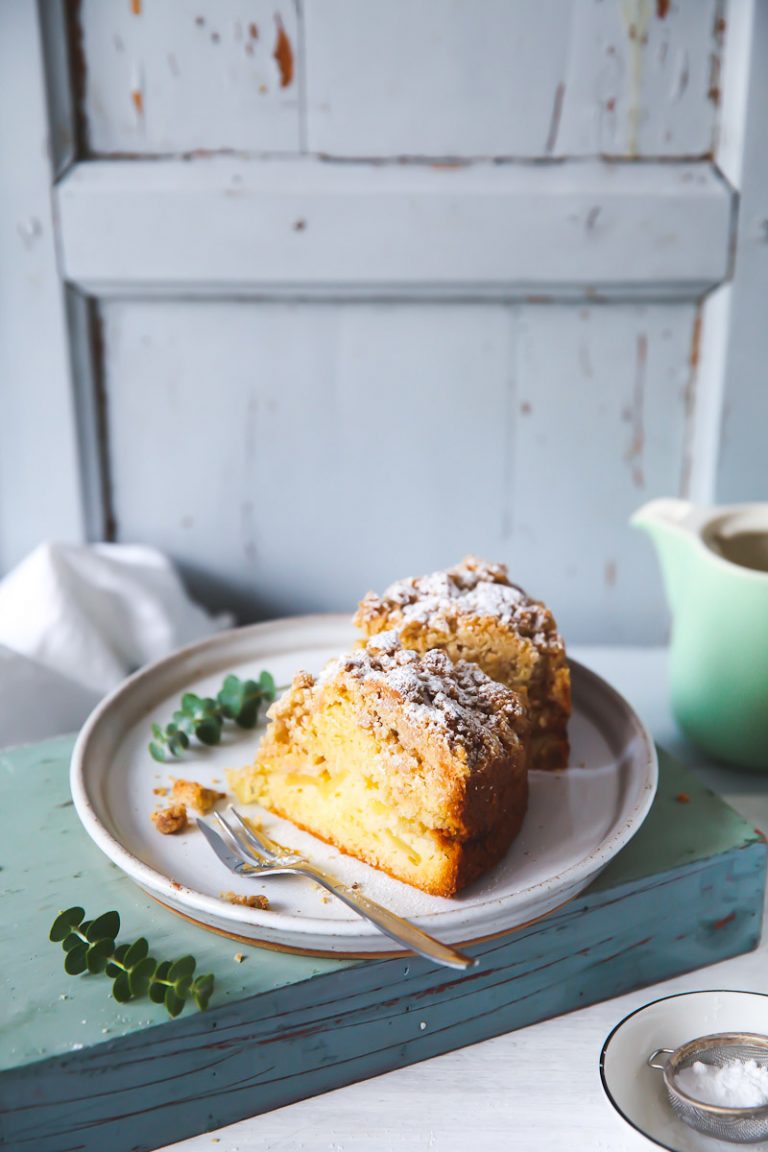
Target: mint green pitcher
715,566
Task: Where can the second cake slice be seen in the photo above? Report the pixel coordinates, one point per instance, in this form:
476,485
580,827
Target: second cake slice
473,612
406,760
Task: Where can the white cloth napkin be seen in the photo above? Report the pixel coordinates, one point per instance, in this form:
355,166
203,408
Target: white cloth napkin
75,620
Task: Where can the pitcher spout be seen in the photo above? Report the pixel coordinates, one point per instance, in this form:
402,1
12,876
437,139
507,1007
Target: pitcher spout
669,524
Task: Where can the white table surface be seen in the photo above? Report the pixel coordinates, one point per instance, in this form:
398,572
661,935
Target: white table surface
537,1089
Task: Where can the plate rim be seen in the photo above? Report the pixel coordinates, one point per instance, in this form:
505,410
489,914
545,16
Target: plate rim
570,881
636,1012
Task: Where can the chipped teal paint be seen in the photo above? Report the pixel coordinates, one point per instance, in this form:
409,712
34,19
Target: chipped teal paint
687,892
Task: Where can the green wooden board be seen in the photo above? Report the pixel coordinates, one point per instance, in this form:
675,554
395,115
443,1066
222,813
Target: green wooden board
687,891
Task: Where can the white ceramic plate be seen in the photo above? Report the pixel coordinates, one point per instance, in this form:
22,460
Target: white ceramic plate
576,822
637,1092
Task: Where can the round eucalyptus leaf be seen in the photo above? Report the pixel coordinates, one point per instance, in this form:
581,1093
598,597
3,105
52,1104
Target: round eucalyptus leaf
121,989
65,922
185,966
156,988
157,993
98,954
173,1003
190,703
248,715
178,742
140,976
230,696
182,986
201,991
104,927
208,731
185,723
75,962
136,951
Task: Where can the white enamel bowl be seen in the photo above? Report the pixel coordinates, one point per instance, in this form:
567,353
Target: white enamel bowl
637,1092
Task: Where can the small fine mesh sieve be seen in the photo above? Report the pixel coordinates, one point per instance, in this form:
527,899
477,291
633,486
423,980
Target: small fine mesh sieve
739,1125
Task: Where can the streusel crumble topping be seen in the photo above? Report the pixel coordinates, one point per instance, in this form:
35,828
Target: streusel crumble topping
456,702
472,588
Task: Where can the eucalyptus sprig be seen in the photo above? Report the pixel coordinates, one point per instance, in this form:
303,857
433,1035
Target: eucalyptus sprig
202,717
90,947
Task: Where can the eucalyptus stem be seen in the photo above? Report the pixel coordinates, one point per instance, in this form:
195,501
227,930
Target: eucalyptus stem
90,947
203,717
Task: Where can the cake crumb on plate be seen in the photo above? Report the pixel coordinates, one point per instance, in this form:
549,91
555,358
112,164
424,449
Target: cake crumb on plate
170,820
260,902
195,795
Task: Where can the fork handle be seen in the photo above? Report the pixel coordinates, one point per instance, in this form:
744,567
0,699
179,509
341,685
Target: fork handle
398,929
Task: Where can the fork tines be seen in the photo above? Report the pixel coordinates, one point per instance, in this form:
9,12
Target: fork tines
252,843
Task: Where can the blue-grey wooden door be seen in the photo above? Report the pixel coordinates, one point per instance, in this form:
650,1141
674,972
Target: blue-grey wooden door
346,289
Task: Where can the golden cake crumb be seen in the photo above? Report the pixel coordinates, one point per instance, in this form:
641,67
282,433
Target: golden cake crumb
260,902
408,761
195,795
239,957
170,820
160,791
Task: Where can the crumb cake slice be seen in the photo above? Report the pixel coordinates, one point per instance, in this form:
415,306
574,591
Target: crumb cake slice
474,613
410,762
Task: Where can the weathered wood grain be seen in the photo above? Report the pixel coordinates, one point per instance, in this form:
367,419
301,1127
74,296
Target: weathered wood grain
529,79
742,463
38,430
317,451
300,227
687,891
435,79
604,411
170,76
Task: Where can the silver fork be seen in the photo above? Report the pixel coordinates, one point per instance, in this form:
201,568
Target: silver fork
249,853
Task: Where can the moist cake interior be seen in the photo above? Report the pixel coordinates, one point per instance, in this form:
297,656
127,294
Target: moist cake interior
417,768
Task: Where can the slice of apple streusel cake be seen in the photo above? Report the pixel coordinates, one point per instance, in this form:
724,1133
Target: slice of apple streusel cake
406,760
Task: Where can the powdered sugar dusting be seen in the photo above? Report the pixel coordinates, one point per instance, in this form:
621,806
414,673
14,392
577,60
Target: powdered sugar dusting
457,702
735,1084
472,588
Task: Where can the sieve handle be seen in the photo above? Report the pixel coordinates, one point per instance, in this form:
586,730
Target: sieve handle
652,1059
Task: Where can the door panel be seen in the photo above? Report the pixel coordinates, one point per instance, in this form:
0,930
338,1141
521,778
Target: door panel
529,79
169,76
293,455
292,227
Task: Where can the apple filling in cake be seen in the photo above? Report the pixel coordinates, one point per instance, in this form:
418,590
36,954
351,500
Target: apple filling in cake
407,761
473,612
